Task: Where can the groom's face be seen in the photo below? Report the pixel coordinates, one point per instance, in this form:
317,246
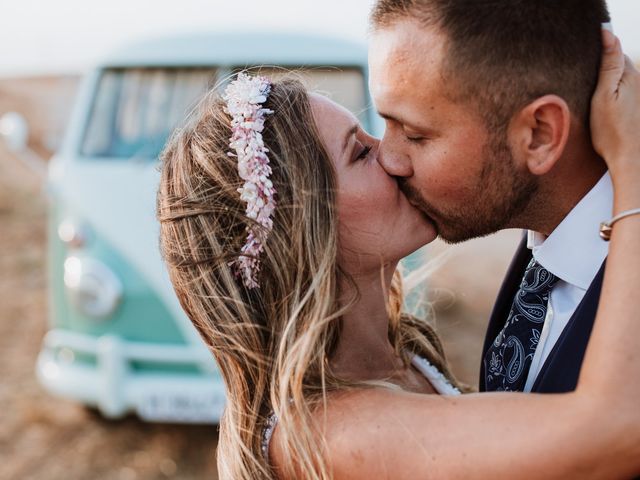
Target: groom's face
464,178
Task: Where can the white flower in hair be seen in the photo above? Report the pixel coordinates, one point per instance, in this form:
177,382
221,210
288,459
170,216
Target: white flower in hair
244,98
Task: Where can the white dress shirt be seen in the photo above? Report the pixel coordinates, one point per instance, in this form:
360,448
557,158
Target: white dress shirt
574,252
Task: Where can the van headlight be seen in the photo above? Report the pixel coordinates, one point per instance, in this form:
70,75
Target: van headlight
91,286
73,234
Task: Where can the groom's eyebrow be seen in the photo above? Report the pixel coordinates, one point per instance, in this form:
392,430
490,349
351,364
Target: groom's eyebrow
401,121
352,131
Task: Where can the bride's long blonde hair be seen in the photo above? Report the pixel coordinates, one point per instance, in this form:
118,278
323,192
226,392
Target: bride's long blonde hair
272,343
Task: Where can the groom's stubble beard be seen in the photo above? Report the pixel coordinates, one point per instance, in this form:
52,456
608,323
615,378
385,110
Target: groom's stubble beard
502,193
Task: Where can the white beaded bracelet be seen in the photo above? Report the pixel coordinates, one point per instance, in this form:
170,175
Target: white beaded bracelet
606,227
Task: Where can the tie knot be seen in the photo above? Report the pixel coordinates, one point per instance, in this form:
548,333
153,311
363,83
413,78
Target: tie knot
537,279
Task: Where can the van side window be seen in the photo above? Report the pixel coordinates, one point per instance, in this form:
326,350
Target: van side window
135,110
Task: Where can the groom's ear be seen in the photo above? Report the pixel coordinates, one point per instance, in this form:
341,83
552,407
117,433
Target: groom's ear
540,131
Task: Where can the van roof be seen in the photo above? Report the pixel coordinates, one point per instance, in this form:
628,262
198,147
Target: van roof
238,49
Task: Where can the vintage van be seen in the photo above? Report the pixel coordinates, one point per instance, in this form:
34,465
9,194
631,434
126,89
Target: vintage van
118,340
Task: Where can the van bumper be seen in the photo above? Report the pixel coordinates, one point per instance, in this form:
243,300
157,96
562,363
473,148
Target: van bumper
116,389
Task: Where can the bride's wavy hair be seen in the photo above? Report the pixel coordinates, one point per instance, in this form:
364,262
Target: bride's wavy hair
272,343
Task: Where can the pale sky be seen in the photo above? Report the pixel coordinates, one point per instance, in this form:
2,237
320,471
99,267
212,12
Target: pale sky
68,36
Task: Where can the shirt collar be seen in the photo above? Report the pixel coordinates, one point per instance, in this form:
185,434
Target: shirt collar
574,252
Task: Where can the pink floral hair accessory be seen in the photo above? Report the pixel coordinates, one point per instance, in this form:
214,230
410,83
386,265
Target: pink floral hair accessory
244,98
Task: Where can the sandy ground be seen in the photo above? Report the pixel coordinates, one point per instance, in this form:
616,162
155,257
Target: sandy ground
42,437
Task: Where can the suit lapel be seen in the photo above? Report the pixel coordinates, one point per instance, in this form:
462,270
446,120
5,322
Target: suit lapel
504,300
561,370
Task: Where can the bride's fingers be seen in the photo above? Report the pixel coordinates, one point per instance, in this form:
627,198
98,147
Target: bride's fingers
615,116
613,63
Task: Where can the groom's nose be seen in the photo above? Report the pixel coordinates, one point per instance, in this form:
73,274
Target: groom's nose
393,160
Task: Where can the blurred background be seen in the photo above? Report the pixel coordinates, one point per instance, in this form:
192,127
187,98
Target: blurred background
91,340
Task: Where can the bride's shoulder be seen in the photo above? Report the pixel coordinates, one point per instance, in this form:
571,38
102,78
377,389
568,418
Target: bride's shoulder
333,423
355,425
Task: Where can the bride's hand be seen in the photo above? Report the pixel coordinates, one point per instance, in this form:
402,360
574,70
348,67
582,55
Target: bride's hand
615,114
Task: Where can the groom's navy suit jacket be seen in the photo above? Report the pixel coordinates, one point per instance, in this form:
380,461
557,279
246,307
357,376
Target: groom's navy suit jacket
560,371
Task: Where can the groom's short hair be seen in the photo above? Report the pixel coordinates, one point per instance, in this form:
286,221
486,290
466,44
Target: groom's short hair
502,54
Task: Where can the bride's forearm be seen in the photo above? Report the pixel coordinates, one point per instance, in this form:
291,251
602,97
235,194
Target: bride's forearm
612,363
611,368
625,176
397,435
627,192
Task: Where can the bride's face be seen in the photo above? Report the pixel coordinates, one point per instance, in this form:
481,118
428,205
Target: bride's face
376,221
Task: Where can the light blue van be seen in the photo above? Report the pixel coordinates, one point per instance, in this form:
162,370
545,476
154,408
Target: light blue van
118,339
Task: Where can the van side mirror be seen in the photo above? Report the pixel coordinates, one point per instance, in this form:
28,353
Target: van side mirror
14,130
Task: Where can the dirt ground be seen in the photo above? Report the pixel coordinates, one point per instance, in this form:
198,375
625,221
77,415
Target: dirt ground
47,438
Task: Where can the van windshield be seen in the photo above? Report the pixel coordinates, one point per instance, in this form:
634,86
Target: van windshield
135,110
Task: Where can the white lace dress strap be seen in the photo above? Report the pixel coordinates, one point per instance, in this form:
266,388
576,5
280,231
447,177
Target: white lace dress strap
437,380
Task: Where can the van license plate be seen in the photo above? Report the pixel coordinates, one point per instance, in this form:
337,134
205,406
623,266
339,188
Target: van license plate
182,408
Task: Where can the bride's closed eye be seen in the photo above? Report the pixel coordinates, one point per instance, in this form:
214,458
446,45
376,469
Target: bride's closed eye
364,153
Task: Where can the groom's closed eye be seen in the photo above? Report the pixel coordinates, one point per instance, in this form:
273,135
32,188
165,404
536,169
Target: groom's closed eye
414,138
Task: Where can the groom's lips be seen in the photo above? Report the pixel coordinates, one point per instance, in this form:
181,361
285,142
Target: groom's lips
415,201
420,209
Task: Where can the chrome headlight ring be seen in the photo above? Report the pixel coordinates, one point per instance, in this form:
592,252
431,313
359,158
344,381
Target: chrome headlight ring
92,287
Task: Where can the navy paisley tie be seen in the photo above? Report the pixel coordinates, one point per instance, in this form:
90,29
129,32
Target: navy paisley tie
508,360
